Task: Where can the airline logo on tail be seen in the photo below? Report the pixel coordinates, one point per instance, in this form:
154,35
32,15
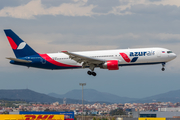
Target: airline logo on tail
14,45
21,45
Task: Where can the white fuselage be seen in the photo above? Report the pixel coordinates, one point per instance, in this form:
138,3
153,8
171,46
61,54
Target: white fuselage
143,55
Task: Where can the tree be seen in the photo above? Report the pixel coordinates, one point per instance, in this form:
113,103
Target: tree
117,112
104,118
24,109
47,110
5,112
113,118
94,118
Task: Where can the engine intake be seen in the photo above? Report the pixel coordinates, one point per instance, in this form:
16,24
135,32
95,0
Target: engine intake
110,65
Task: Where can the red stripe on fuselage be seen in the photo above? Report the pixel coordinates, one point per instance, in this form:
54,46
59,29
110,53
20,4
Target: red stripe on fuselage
49,59
12,43
125,57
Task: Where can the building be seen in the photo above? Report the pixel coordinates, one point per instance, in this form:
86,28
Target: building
155,114
171,109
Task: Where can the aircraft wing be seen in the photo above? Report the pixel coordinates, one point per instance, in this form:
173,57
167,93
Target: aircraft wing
85,59
19,60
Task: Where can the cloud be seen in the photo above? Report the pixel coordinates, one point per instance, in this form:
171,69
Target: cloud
103,6
12,3
54,42
126,6
168,37
35,7
152,9
101,41
154,0
168,2
163,38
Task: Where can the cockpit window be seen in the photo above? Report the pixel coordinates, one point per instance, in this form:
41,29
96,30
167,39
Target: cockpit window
169,52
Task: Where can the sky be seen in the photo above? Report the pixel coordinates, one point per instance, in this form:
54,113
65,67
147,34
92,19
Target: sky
81,25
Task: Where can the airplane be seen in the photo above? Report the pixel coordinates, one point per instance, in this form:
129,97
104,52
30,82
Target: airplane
104,59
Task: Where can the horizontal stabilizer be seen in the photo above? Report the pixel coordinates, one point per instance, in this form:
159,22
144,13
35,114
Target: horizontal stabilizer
19,60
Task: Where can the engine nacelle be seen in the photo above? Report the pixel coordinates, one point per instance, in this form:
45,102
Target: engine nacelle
111,65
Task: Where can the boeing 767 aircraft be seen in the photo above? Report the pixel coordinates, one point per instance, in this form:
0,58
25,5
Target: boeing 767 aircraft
105,59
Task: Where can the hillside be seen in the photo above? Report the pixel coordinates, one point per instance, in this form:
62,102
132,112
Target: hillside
32,96
90,96
28,95
171,96
93,95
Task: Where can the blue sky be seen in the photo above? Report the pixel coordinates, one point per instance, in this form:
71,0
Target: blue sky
81,25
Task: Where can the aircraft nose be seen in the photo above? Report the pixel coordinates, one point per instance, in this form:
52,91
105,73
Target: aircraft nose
175,55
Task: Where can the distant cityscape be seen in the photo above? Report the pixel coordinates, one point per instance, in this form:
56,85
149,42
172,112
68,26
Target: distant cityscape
106,105
90,109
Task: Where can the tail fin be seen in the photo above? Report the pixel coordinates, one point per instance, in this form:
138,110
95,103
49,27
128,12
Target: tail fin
20,48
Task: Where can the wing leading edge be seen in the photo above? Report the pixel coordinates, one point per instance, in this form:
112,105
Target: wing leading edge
87,61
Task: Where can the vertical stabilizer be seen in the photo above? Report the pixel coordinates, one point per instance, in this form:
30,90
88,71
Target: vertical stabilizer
20,48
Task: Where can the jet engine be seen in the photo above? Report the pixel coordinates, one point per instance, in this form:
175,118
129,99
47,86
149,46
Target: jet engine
110,65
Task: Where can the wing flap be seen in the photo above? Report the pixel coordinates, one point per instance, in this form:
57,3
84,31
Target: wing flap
81,58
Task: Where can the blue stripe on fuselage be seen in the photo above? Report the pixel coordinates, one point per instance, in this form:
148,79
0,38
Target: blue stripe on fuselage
39,62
